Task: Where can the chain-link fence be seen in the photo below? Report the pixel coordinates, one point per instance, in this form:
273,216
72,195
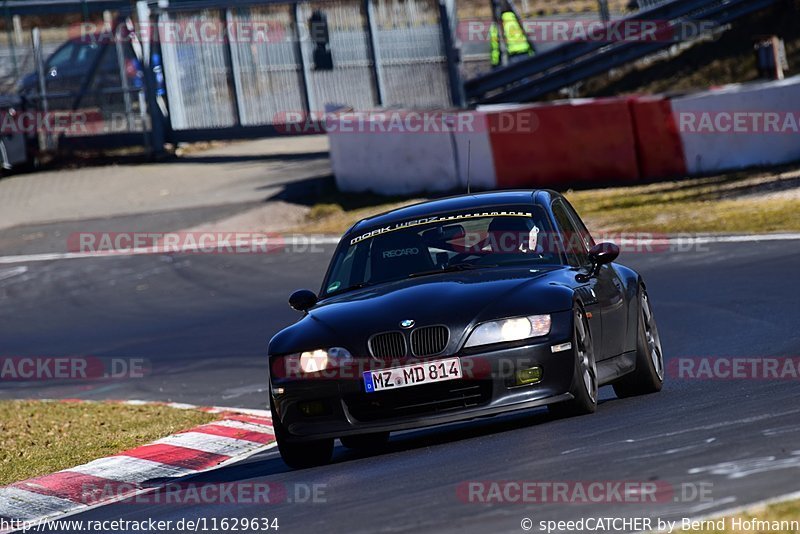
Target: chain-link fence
206,70
297,59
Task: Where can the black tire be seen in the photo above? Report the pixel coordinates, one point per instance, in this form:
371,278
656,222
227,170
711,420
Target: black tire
584,379
648,377
374,441
301,455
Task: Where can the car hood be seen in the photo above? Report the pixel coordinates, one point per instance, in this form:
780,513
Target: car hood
458,301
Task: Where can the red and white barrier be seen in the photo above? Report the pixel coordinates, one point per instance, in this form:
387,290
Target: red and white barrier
577,142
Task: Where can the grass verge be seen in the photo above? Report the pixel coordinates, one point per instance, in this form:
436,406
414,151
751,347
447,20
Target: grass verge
774,519
37,438
734,203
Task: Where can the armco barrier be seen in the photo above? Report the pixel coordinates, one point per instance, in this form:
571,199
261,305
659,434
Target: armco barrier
580,141
400,153
725,129
658,142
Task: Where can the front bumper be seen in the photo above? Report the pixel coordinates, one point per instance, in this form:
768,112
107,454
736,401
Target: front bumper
487,389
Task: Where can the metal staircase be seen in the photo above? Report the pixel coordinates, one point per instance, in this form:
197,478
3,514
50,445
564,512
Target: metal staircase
530,79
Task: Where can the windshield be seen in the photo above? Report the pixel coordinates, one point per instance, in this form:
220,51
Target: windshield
513,235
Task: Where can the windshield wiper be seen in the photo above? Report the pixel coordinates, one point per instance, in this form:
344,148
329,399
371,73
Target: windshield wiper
451,269
350,288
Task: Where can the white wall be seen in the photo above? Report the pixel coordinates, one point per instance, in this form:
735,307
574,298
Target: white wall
387,158
717,150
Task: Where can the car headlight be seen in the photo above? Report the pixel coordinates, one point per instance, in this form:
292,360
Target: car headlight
505,330
321,359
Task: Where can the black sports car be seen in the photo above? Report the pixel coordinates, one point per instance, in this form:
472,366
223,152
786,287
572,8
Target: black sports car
455,309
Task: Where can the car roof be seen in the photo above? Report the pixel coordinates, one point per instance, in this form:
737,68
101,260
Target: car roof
487,200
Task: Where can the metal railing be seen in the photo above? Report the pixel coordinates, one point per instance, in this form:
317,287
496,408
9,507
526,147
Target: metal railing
573,62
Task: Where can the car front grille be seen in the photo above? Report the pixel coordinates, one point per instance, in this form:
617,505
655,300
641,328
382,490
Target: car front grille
420,400
387,346
429,340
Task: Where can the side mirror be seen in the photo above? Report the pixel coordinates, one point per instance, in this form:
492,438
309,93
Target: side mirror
603,253
302,300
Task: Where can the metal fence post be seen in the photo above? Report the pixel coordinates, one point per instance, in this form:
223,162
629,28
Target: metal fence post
44,138
11,25
446,19
308,97
156,139
605,16
123,76
374,50
229,68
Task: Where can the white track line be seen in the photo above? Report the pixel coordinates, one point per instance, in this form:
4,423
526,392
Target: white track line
330,240
143,251
14,271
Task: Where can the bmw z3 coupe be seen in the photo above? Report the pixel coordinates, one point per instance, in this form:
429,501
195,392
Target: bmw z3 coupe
456,309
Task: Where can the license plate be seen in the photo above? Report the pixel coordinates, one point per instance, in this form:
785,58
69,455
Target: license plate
412,375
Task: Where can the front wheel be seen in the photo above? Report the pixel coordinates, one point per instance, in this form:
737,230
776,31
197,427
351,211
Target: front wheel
648,377
584,380
302,455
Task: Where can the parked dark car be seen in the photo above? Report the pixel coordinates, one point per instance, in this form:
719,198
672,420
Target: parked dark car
67,69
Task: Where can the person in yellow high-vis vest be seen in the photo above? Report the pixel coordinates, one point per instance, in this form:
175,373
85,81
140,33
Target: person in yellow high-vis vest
516,42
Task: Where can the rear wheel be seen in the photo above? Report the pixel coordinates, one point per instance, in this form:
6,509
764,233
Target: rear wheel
648,377
584,380
366,441
300,455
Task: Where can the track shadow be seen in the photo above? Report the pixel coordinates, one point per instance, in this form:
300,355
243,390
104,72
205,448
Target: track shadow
270,463
247,158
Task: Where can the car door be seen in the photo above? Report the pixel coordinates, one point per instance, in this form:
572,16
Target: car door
610,293
577,258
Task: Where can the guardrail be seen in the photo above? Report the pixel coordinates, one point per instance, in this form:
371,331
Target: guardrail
570,63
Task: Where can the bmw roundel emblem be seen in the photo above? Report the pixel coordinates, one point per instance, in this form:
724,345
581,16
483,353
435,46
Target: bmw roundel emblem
408,323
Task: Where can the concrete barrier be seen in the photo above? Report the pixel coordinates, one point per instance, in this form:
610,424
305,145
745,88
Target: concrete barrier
401,152
659,151
586,141
740,126
565,143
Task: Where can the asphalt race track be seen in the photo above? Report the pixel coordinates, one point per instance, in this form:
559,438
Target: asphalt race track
202,323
